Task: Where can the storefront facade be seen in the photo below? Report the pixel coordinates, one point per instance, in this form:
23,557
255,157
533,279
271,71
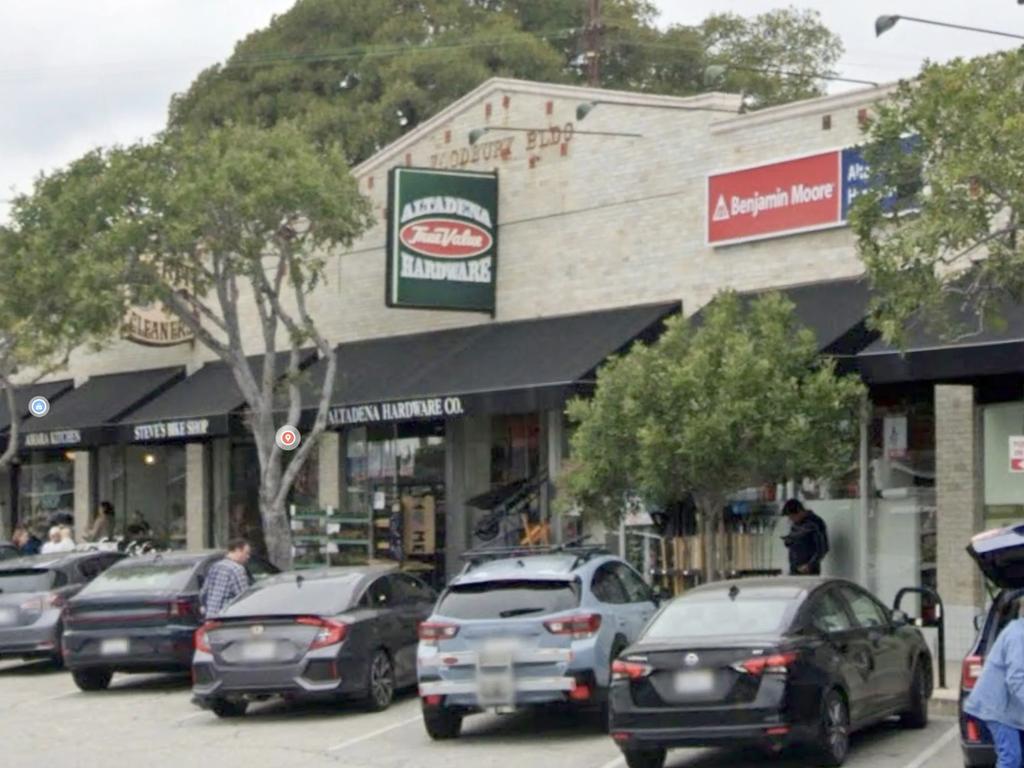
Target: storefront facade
602,225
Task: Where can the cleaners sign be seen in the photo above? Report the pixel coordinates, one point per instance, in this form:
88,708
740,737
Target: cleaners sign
800,195
442,239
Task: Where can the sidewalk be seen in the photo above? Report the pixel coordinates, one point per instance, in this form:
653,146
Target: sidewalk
944,700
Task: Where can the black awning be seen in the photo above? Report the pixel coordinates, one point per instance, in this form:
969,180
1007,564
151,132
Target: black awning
518,366
86,415
834,310
196,407
51,390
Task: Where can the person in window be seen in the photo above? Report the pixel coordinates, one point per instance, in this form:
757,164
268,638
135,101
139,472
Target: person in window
103,526
998,696
26,541
226,579
807,540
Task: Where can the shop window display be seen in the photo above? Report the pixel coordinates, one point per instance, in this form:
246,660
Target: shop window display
146,485
46,488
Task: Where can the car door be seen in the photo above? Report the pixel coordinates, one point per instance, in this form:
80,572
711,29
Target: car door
610,592
380,597
412,604
892,668
640,605
840,649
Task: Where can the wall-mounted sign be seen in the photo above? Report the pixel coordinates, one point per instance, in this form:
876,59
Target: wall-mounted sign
170,430
895,438
153,326
1016,454
56,438
802,194
402,410
442,239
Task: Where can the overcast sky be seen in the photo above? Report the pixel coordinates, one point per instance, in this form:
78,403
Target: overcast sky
75,74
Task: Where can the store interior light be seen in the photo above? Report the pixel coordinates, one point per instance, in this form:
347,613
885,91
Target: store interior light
69,455
149,459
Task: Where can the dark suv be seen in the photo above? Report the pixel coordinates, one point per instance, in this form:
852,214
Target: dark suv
1000,556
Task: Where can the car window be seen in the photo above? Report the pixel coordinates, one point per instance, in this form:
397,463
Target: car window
29,580
866,612
636,590
508,599
259,569
607,587
705,615
297,595
379,593
828,614
411,591
9,553
92,567
151,576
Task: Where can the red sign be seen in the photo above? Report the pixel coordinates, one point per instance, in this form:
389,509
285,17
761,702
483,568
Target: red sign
1016,453
776,199
446,238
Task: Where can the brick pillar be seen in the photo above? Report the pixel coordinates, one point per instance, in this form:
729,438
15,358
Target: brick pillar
329,466
960,512
197,497
83,493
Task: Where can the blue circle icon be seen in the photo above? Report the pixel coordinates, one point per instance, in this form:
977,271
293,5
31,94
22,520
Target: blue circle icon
39,406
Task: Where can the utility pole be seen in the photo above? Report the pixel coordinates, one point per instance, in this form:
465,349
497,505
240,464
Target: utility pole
592,37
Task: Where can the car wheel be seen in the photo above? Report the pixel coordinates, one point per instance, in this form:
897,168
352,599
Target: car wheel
917,715
834,730
382,682
226,708
645,758
92,679
442,723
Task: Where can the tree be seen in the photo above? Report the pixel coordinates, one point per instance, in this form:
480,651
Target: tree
220,224
402,61
49,306
737,401
948,253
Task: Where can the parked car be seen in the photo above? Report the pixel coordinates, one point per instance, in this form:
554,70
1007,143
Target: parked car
8,551
139,616
33,593
768,661
527,630
1000,556
338,633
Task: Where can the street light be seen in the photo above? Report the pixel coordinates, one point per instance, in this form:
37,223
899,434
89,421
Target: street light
884,23
587,107
716,72
478,133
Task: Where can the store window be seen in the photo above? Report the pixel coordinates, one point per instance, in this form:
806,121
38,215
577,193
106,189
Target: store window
46,488
515,448
146,485
394,487
1004,481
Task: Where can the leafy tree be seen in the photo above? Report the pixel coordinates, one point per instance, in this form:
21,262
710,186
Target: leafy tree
49,306
739,400
949,255
415,57
222,225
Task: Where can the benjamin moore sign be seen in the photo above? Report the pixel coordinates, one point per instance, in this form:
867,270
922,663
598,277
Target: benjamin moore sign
442,239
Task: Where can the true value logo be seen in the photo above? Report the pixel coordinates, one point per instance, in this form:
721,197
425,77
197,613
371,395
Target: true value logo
442,239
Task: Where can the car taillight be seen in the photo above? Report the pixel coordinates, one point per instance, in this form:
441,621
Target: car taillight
973,730
331,632
970,671
579,627
201,641
56,600
630,670
432,633
776,664
180,609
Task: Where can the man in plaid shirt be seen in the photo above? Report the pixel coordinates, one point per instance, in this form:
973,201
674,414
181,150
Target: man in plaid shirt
226,579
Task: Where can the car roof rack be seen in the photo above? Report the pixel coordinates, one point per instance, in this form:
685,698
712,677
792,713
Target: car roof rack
583,552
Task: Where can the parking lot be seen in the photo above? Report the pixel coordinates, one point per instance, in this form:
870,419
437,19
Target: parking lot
149,721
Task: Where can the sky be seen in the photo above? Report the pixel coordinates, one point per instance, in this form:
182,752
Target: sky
75,75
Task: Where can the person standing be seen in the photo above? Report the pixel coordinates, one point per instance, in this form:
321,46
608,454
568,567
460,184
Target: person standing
998,696
103,526
807,540
226,579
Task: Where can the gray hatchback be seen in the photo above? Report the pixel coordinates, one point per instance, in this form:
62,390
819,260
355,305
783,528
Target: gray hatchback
338,633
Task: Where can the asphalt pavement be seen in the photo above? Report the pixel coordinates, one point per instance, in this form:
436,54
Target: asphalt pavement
148,721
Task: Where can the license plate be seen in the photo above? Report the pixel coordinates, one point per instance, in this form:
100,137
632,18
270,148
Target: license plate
258,651
8,616
114,646
696,682
494,689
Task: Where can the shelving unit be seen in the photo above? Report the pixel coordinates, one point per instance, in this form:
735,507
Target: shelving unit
322,538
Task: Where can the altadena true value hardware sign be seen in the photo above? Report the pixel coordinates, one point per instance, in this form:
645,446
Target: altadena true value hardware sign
798,195
442,239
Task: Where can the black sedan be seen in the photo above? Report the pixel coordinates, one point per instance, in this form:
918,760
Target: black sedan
771,662
339,633
139,616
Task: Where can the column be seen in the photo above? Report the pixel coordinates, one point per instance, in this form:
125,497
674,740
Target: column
959,513
330,480
467,473
197,497
83,492
554,428
221,478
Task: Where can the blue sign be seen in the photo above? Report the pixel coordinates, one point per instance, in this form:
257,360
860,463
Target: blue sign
856,179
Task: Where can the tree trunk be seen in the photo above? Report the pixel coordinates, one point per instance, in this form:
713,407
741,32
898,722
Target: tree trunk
709,513
274,513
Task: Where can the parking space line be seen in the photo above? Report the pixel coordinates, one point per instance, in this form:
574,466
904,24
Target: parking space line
193,716
375,734
933,750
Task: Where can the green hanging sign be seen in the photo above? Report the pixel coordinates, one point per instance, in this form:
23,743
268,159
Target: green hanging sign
442,243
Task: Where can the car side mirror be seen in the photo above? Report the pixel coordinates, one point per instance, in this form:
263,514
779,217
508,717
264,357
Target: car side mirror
899,618
979,622
661,595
